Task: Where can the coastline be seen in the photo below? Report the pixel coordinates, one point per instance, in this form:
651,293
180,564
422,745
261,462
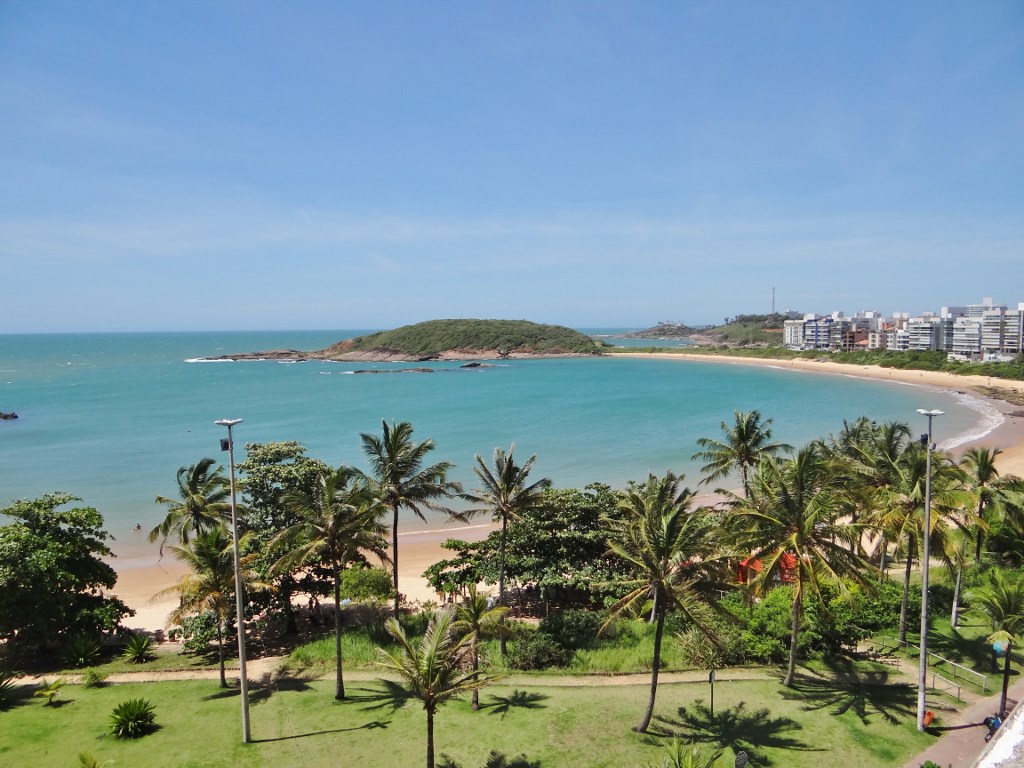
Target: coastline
1007,434
140,578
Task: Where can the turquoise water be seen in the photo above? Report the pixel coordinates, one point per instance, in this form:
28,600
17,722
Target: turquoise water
110,417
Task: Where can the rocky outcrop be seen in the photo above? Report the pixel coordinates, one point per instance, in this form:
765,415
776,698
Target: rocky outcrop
8,416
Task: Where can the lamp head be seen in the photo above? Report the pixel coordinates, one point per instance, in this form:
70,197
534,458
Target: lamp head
925,412
227,422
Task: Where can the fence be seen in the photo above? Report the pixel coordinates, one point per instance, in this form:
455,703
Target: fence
957,671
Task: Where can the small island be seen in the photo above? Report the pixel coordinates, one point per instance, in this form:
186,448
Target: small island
447,340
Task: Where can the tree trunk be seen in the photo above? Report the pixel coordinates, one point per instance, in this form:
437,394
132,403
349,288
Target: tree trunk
430,738
1006,680
501,582
954,616
906,592
394,555
285,596
339,688
476,668
220,652
980,535
794,635
655,666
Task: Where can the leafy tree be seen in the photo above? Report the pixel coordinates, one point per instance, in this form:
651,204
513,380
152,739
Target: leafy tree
475,616
667,545
210,587
336,524
270,472
559,548
433,668
202,504
792,522
505,496
51,576
401,481
742,446
1002,601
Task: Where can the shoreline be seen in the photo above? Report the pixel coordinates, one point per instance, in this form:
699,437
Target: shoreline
139,577
1008,434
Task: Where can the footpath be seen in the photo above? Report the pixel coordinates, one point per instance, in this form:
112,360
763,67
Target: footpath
963,733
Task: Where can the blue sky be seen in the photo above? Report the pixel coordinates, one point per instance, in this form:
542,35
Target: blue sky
257,165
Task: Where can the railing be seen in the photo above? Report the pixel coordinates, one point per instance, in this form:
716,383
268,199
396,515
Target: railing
958,671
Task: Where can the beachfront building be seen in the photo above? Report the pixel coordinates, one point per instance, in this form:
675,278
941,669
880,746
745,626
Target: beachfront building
973,332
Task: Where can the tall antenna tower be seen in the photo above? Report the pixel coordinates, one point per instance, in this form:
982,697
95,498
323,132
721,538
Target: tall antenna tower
773,299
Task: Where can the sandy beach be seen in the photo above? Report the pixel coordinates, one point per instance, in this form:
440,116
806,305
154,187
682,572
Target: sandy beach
140,578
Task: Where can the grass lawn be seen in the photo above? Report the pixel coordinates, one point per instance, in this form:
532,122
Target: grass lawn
864,718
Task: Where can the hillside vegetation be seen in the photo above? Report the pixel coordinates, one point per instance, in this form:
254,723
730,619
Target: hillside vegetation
506,337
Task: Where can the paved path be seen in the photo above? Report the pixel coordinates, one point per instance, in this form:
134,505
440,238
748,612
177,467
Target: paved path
964,738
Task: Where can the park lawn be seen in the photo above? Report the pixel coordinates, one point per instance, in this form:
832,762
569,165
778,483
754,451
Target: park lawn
299,723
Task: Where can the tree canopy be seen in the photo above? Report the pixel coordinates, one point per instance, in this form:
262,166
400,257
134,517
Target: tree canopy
52,577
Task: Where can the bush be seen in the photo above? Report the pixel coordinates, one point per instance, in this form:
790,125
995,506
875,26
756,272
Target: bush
199,631
138,649
93,679
366,584
81,651
132,718
573,628
532,649
7,692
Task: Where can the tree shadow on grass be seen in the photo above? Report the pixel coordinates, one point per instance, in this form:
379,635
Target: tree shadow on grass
866,693
972,652
518,700
388,695
736,728
365,726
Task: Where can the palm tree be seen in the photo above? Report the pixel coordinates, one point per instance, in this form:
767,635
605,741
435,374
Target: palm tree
744,444
990,489
506,496
900,505
477,617
432,668
1002,600
400,479
210,587
338,520
793,522
203,503
666,543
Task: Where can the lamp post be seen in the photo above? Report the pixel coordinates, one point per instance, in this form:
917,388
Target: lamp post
229,446
922,682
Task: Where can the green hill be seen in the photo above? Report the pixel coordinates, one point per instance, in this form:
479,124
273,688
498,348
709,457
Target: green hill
472,337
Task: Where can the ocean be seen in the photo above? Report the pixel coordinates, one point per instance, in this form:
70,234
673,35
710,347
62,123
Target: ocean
111,417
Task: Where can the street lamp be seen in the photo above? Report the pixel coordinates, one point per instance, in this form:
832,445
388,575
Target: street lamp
922,682
229,446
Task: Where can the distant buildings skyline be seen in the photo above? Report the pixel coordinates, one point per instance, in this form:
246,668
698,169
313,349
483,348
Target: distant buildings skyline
970,332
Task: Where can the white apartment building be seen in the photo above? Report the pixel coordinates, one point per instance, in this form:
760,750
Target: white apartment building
984,331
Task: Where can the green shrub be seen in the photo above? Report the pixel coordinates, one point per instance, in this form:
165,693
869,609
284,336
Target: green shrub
199,631
93,679
81,651
7,691
132,718
138,649
573,628
366,584
532,649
